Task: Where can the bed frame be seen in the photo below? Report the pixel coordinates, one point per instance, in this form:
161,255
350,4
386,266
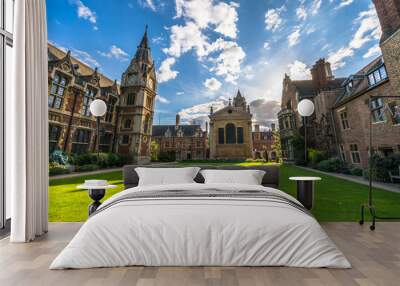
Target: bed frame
270,179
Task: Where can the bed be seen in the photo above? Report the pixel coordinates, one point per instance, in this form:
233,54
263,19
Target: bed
201,224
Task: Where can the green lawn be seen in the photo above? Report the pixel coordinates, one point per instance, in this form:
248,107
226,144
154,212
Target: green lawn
336,199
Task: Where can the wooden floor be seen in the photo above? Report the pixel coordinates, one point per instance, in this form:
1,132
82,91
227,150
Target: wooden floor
375,257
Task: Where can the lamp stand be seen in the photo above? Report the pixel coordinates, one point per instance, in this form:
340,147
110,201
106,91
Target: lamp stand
305,140
370,206
98,138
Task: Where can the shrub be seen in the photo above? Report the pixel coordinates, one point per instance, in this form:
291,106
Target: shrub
87,168
57,169
113,160
167,157
356,171
316,156
330,165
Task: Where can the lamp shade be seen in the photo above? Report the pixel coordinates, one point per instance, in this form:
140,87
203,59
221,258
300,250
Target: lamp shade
305,107
98,107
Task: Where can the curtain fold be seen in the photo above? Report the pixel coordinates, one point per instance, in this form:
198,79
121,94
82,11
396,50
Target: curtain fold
27,124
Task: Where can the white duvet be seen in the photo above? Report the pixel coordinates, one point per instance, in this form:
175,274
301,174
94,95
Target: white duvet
202,232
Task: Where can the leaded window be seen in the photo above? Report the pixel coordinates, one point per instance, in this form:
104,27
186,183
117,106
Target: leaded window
377,110
57,91
130,100
355,154
54,135
125,139
240,137
344,120
395,112
81,141
230,133
110,109
377,75
221,136
127,124
88,97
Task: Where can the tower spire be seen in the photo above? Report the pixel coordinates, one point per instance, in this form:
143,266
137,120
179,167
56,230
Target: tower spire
144,43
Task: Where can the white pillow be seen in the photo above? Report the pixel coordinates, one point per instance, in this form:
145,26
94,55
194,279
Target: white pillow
248,177
166,176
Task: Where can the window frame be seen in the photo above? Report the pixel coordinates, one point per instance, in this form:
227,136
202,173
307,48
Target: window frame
377,75
88,97
6,45
221,136
377,109
54,141
131,98
56,94
344,120
355,153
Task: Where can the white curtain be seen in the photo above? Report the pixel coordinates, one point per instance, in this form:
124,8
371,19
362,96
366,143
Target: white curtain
27,124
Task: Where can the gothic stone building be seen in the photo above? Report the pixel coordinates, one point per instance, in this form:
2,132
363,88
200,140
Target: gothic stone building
342,114
380,79
231,131
186,142
290,122
126,127
263,143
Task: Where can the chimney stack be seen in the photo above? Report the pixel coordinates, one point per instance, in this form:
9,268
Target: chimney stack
177,119
389,16
273,126
257,128
321,73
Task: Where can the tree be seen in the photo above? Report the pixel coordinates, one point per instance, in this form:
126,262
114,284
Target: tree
277,145
154,147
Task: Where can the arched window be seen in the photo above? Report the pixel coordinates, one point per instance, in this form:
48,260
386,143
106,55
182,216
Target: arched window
127,124
240,137
230,133
221,136
146,127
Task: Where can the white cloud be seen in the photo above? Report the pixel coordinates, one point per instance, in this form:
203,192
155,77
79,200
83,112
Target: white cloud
180,93
201,110
294,37
148,4
84,12
368,30
165,73
185,38
222,16
162,99
115,52
267,46
227,63
316,5
273,19
212,84
299,70
344,3
85,57
248,72
301,12
372,52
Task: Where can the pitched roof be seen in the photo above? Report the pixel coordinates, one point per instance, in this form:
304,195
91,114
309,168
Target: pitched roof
306,87
188,130
56,54
360,82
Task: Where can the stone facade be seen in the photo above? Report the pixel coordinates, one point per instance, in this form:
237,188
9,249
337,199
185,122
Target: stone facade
322,90
73,85
137,100
185,142
341,122
263,142
231,131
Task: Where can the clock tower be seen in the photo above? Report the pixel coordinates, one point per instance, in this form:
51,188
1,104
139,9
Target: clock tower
138,92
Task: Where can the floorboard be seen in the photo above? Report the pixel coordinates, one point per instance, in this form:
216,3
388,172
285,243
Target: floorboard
375,257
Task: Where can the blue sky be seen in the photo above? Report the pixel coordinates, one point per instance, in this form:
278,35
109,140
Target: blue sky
205,50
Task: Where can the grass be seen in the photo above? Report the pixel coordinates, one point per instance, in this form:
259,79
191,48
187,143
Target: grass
335,199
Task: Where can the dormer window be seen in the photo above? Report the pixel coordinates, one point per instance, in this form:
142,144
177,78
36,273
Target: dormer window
377,76
349,86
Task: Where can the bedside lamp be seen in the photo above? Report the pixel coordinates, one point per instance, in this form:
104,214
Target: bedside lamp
98,108
306,109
